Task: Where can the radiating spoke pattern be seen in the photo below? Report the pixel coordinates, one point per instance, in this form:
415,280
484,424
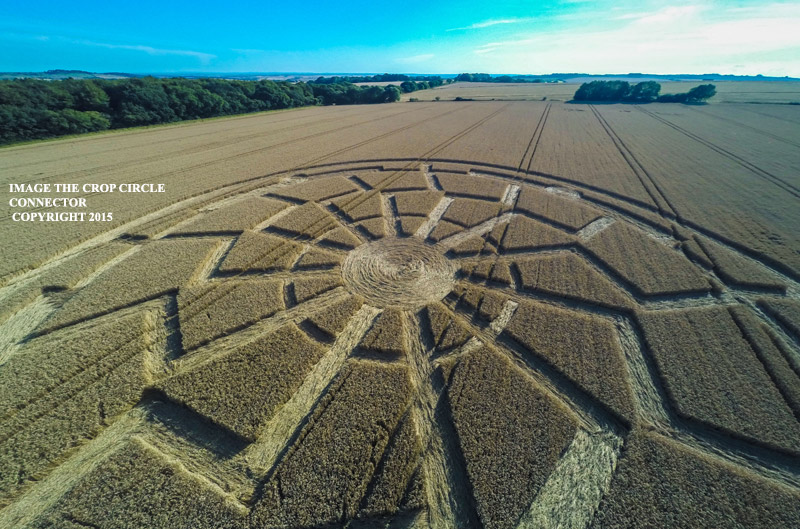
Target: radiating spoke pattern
400,344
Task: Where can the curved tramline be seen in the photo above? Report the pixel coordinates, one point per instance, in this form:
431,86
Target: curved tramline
400,343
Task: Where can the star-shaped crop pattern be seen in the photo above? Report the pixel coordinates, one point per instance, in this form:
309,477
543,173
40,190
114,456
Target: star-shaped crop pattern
439,344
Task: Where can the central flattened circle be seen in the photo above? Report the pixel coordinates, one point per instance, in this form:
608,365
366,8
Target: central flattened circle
398,272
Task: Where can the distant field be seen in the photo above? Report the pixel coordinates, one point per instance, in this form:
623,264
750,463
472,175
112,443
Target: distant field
727,91
486,314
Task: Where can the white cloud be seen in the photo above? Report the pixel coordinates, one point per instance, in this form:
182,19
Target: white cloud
667,15
494,22
203,57
686,39
414,59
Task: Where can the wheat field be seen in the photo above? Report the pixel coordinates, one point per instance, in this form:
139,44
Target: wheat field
481,314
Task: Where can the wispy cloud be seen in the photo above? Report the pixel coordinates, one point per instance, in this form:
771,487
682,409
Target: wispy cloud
203,57
667,15
414,59
62,40
493,22
685,39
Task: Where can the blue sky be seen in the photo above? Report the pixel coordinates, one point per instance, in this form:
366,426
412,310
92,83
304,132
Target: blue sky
741,37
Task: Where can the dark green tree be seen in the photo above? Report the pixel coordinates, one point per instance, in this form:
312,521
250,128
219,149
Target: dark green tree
701,93
645,92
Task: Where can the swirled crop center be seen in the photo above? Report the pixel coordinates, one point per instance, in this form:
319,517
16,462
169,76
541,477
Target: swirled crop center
398,272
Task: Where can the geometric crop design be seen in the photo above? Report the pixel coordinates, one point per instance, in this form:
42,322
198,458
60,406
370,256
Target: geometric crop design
396,344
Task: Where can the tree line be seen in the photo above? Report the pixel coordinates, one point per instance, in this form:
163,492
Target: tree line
645,92
487,78
381,78
33,109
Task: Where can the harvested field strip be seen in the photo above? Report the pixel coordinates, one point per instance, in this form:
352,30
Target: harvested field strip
449,499
251,392
655,192
535,138
134,483
756,170
508,454
591,416
47,491
181,261
278,435
324,477
571,495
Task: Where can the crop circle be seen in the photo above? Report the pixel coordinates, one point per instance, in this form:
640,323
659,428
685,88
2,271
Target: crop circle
398,273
